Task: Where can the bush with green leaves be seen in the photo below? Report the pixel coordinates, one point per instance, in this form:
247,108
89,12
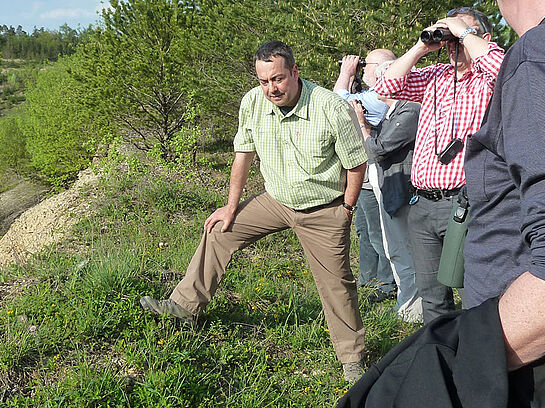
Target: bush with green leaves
138,63
13,153
152,54
168,75
60,131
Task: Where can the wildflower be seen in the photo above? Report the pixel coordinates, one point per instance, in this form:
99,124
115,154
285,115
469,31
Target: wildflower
56,357
305,271
267,356
307,389
10,312
254,307
161,342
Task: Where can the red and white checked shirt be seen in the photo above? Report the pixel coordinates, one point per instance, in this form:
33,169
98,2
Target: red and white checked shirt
473,92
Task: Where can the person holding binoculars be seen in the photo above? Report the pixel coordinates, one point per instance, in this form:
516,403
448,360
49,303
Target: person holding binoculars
454,98
376,268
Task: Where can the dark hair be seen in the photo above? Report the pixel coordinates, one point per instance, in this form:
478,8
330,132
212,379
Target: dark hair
275,49
485,26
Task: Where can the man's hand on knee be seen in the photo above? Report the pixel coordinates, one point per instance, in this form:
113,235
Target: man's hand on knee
225,214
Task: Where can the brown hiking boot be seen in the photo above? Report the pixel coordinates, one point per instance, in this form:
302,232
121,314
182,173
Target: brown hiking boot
166,306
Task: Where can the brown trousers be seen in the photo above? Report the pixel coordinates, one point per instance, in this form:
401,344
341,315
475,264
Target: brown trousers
324,234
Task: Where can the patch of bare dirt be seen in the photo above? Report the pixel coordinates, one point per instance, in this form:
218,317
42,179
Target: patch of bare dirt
24,195
47,222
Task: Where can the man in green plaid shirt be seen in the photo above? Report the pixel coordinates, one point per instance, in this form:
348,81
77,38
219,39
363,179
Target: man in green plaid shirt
312,159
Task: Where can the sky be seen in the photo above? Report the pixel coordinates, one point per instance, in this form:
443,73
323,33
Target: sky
50,14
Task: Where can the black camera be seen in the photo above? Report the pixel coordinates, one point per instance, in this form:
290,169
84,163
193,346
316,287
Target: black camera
361,63
437,35
448,154
365,111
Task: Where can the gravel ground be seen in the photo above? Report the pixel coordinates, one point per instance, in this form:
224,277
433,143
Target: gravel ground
46,222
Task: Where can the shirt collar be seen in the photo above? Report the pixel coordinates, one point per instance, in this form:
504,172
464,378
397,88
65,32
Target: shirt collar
302,107
390,110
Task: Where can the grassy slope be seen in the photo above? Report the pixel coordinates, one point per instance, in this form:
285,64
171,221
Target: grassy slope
73,334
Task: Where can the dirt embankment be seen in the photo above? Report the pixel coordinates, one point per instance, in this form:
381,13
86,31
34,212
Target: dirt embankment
46,222
14,202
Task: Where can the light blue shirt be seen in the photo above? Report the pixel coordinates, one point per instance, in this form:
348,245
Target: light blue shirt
375,108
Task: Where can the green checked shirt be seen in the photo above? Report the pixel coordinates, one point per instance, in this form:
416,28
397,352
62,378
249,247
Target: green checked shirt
303,154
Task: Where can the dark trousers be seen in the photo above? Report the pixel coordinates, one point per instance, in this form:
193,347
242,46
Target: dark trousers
428,222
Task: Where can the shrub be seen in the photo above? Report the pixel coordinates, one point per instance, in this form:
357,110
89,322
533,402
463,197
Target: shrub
13,153
60,135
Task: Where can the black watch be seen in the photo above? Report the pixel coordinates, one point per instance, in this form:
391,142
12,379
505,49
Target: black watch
351,208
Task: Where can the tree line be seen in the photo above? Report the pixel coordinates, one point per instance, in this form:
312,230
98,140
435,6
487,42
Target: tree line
165,75
41,44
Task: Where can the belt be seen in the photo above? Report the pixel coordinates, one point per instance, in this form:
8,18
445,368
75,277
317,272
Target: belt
318,207
437,194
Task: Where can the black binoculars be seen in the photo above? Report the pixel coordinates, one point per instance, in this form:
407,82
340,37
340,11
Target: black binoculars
361,63
437,35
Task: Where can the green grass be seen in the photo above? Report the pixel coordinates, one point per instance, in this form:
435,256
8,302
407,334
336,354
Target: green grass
73,334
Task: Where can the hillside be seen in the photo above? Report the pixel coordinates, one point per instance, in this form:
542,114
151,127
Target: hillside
43,223
72,330
22,195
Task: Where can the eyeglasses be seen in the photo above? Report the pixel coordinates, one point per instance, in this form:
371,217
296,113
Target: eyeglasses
467,10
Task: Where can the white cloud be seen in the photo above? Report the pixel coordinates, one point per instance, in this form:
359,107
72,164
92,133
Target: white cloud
66,13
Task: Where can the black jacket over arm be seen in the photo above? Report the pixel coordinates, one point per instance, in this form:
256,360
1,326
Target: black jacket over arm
458,360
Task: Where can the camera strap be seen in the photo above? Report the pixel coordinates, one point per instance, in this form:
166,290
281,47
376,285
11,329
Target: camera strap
454,95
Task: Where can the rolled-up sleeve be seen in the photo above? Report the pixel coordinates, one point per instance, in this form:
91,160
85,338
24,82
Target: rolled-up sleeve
489,64
375,108
410,87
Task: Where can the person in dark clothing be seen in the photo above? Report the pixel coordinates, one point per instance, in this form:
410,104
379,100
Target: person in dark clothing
504,254
505,247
